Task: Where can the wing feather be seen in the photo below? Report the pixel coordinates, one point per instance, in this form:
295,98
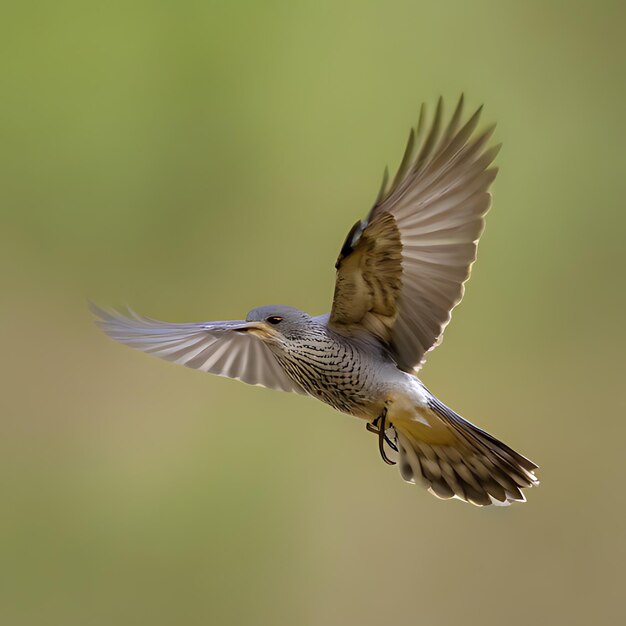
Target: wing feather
405,265
214,347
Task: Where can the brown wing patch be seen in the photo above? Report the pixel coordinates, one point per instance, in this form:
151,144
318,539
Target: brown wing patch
369,274
431,215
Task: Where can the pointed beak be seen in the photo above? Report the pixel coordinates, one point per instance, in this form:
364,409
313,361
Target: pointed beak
259,329
244,327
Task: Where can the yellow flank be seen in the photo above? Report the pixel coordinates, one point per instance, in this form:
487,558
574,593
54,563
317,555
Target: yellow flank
421,423
438,434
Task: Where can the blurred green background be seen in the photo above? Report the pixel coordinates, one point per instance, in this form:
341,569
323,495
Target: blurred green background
196,159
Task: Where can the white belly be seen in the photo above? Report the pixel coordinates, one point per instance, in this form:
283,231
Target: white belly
408,401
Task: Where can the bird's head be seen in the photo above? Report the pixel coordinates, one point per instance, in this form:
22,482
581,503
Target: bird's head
277,323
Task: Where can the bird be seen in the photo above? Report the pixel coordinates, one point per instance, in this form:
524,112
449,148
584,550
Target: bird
399,274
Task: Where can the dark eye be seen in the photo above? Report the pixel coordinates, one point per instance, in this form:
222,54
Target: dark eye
274,319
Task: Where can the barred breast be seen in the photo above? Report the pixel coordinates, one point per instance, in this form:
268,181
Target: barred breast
334,371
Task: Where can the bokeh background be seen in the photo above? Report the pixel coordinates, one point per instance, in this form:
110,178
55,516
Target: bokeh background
196,159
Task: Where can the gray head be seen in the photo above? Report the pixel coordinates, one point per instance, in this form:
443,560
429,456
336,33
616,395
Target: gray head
278,321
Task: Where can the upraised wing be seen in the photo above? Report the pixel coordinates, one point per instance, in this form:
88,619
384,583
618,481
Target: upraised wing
221,348
401,270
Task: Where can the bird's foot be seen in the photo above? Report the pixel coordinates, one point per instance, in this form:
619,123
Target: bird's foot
378,427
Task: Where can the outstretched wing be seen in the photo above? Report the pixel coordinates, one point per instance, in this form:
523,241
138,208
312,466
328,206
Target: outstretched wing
401,270
221,348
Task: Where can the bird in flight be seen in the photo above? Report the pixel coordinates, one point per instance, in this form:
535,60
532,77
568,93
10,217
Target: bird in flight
400,273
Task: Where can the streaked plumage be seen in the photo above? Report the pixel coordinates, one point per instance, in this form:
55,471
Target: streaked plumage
400,273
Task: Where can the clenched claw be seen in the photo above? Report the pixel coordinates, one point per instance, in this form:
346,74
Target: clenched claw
378,427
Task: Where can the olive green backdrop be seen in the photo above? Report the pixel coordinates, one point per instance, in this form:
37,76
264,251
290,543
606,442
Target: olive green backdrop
196,159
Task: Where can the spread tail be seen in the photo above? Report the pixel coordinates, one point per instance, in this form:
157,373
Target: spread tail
453,458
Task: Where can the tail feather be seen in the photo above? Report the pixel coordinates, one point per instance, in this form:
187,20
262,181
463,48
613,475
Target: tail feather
471,465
